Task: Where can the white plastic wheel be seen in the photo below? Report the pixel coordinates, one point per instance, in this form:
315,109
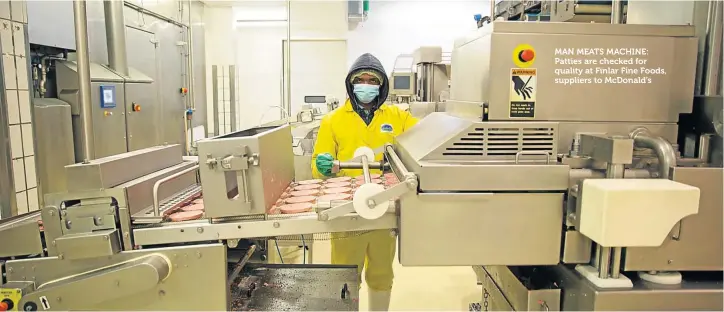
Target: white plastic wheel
359,201
366,151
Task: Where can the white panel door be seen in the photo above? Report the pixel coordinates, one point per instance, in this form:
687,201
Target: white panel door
318,68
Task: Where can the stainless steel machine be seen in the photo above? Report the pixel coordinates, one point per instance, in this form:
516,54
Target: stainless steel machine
424,87
561,194
533,136
107,243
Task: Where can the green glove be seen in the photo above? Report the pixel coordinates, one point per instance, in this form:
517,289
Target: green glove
324,164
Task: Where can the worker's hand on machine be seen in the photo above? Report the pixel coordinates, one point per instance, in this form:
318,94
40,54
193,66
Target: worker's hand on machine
325,162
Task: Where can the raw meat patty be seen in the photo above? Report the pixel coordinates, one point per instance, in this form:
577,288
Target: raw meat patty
331,197
372,176
339,179
186,215
391,182
390,175
301,199
338,184
307,187
338,190
193,207
304,193
296,208
199,201
305,182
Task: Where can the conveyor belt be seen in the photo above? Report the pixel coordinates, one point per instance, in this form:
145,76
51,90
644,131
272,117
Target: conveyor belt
295,287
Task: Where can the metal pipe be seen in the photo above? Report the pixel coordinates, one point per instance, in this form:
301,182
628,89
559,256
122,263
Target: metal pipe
116,36
357,165
287,61
597,256
143,10
187,142
616,262
713,48
215,98
395,162
80,21
492,10
704,144
615,171
192,78
240,265
427,70
663,149
232,97
604,262
366,170
617,12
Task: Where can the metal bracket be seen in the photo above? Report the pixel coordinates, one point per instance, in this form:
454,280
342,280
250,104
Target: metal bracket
239,160
333,212
336,211
234,163
396,191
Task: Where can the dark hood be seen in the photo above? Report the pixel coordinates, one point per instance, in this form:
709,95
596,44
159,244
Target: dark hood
367,61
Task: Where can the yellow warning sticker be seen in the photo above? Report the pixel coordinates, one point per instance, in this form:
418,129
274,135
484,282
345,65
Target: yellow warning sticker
11,294
523,89
524,56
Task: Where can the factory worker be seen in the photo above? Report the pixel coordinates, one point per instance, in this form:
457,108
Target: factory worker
364,120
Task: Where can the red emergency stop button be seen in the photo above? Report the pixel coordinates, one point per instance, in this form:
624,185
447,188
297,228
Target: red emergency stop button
526,55
6,305
136,107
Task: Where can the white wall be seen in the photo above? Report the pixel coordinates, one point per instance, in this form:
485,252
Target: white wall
220,49
393,28
259,59
400,27
255,47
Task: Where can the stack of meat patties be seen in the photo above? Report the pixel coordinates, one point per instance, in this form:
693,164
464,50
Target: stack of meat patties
300,196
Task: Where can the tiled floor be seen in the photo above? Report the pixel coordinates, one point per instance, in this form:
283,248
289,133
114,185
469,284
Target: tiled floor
415,288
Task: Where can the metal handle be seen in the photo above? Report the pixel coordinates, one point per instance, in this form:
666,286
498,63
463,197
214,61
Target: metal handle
540,153
366,170
246,185
156,207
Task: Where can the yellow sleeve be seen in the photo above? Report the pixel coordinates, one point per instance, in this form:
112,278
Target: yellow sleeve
407,120
325,144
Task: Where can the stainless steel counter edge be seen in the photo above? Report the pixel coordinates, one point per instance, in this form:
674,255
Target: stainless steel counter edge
204,231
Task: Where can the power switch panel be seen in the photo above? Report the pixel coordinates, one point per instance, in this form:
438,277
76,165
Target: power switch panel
108,96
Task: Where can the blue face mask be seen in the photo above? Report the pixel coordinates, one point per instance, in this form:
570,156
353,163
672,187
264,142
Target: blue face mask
366,93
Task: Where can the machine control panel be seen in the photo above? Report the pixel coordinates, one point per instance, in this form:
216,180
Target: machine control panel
108,96
9,297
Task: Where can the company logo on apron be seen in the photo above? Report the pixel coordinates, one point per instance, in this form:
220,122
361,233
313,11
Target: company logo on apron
386,128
